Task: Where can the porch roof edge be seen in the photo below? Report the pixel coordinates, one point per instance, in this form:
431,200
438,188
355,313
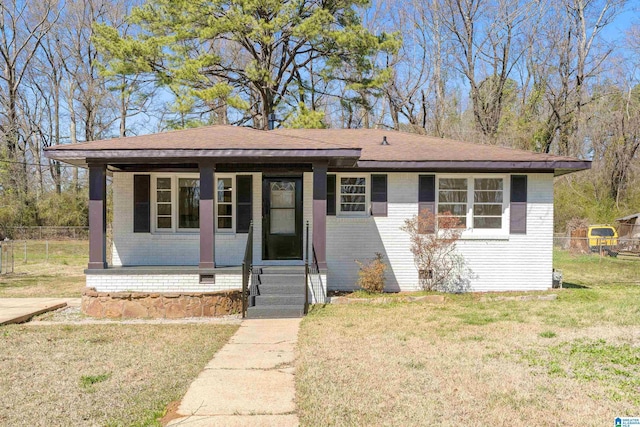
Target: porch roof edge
228,155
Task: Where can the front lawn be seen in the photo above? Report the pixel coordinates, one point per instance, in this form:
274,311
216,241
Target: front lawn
107,375
50,269
479,361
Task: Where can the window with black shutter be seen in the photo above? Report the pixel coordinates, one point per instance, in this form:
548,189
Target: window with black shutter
379,195
244,202
331,195
141,203
518,213
427,198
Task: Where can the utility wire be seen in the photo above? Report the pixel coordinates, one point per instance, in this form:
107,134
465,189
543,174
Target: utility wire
37,164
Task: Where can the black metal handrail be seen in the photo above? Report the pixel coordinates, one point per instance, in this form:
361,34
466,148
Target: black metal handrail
310,268
247,267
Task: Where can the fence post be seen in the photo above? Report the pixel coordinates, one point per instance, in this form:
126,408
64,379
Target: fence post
40,232
13,259
25,252
46,251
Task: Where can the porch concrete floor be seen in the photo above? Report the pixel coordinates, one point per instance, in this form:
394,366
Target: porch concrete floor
250,381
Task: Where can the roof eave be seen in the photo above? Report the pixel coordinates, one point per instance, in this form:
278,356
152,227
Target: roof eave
558,167
337,156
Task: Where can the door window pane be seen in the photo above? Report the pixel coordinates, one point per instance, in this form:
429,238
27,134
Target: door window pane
283,207
283,221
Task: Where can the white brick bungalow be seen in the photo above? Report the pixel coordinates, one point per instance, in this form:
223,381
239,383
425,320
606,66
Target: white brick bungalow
183,202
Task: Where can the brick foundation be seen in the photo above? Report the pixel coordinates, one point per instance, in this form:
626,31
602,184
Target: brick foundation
127,305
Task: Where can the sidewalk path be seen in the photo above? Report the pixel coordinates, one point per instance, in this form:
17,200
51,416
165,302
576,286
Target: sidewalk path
249,382
18,310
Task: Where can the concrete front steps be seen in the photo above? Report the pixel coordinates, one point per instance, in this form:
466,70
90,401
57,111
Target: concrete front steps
280,292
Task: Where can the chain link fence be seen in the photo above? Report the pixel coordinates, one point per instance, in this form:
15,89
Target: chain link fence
605,246
28,257
45,233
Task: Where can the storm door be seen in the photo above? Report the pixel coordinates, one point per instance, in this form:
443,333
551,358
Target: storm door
282,218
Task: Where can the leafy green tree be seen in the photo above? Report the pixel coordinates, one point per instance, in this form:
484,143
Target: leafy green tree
304,118
245,54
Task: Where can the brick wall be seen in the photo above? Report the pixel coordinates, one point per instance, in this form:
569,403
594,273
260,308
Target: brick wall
161,282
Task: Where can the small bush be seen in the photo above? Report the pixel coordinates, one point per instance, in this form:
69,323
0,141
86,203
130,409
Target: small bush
433,244
371,274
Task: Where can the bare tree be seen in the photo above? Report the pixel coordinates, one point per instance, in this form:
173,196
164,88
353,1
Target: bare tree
486,35
21,32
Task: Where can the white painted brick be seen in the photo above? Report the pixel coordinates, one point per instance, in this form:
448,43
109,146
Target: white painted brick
161,283
523,262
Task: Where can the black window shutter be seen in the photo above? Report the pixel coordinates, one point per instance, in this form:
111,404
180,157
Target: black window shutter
244,202
379,195
427,197
141,203
331,194
518,212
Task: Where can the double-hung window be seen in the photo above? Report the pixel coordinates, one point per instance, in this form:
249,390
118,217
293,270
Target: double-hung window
177,203
453,198
477,202
225,203
353,195
487,202
188,203
164,205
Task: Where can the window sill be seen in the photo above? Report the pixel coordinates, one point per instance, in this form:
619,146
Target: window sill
471,235
351,217
179,235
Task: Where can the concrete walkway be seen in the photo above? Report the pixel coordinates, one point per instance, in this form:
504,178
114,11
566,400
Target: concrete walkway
18,310
249,382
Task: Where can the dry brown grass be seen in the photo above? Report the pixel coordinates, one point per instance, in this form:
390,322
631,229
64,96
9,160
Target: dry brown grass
59,275
100,375
572,361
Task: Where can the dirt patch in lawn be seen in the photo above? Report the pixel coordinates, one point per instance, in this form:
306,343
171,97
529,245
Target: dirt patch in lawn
100,374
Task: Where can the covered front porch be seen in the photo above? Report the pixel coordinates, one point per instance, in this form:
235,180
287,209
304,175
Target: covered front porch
190,228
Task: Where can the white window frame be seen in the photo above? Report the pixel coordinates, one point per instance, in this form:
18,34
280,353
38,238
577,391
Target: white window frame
470,232
216,177
367,195
154,197
175,194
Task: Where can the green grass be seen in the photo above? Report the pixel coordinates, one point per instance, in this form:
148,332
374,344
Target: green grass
114,375
615,366
60,274
547,334
476,360
87,381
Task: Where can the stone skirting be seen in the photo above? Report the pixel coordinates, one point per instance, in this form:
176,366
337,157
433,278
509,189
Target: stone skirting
140,305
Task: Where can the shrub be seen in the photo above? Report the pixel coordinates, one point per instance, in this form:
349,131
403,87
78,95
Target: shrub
371,274
433,244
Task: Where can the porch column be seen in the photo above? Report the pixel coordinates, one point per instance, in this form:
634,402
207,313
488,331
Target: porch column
320,212
207,216
97,216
